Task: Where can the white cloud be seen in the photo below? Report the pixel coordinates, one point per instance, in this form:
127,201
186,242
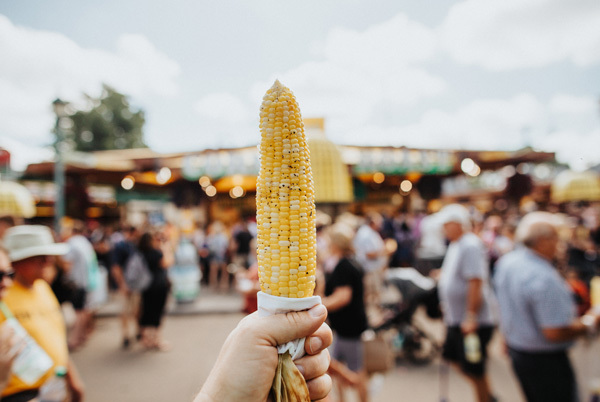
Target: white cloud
37,66
22,153
359,76
512,34
496,124
481,124
223,106
142,69
365,77
359,80
25,114
366,74
225,121
579,149
573,105
383,47
351,98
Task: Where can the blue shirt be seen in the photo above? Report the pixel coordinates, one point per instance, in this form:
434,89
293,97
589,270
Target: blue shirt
532,296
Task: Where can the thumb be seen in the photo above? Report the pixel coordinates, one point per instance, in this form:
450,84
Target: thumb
283,328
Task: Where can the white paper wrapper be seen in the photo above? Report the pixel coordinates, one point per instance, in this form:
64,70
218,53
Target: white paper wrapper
269,305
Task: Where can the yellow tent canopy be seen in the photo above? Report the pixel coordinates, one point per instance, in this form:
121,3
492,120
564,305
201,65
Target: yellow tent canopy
16,200
575,186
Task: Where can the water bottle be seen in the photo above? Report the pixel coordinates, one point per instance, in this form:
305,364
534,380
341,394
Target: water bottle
472,348
55,388
32,362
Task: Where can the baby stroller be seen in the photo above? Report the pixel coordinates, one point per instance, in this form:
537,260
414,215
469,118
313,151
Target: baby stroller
409,340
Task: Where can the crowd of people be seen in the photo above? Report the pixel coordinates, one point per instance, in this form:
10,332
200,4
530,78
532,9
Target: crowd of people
524,276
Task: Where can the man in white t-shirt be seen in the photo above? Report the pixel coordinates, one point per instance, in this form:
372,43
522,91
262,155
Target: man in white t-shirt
81,264
466,297
371,254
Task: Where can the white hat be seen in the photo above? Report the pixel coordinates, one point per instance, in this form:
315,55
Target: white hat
454,213
26,241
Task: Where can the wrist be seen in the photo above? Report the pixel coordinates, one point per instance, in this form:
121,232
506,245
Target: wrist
209,392
202,397
470,316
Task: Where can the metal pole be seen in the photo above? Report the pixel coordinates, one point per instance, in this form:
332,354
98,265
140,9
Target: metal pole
59,179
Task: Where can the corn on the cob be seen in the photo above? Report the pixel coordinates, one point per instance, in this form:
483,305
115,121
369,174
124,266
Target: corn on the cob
285,209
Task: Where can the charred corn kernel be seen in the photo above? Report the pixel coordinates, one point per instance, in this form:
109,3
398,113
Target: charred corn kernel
285,207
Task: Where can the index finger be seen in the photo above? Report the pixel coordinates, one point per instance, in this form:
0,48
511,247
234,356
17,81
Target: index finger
319,340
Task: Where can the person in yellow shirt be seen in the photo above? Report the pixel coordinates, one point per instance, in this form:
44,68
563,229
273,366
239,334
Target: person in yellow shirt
10,345
32,303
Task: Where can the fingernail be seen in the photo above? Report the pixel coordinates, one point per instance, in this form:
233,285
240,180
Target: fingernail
315,344
300,369
317,311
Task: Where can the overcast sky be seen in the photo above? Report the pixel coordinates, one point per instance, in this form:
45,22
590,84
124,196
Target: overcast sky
477,74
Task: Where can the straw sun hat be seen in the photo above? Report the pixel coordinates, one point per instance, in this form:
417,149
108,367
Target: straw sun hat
27,241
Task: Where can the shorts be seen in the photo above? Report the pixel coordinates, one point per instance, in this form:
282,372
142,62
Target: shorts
454,349
545,376
23,396
218,259
349,351
78,299
131,304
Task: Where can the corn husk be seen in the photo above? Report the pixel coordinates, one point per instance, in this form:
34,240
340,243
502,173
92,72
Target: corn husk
289,384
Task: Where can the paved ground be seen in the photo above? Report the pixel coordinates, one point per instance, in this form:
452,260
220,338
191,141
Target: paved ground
112,374
209,302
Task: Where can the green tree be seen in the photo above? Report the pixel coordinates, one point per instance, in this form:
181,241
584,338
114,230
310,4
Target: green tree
110,123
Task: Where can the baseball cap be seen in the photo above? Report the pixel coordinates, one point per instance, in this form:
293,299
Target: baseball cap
454,213
25,241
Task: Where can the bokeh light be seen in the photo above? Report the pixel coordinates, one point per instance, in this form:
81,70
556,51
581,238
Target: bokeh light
128,182
204,181
406,186
163,175
211,191
378,177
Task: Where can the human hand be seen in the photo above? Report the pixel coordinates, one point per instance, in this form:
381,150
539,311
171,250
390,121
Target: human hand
468,326
591,321
246,366
75,383
77,392
435,274
124,289
10,346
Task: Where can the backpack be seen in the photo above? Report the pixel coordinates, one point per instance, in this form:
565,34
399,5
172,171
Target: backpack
137,273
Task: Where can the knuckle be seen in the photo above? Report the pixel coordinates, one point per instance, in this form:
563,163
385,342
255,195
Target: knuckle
294,318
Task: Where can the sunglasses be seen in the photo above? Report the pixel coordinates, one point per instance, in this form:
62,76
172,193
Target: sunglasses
9,275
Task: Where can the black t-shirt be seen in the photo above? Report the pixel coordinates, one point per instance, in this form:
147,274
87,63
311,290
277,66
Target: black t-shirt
159,274
351,320
243,239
